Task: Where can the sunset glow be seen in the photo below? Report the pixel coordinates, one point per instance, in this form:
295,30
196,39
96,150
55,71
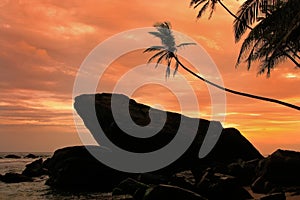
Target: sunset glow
43,44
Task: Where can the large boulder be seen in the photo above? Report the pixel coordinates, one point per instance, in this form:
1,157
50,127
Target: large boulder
74,168
230,147
280,169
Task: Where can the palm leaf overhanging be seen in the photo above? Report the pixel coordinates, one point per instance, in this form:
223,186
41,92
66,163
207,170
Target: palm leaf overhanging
274,42
167,52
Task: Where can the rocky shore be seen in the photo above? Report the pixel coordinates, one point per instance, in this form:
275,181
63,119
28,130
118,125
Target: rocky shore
234,169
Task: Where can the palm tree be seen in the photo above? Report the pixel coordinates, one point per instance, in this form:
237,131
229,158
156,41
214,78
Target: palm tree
271,52
276,37
168,50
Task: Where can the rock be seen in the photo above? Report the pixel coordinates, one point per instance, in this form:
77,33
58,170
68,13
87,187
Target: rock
163,192
12,156
230,147
276,196
132,187
262,186
220,186
74,168
31,156
35,169
184,180
244,171
15,178
280,169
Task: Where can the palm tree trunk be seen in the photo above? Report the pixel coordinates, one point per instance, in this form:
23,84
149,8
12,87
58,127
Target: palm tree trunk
249,27
236,92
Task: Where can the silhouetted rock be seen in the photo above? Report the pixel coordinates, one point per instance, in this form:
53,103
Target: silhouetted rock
132,187
74,168
163,192
244,171
230,147
275,196
14,178
12,156
280,169
217,186
262,186
184,180
31,156
35,169
233,146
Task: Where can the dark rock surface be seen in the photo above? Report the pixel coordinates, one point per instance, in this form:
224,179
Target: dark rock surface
74,168
131,186
35,169
230,147
220,186
12,156
280,169
244,171
14,178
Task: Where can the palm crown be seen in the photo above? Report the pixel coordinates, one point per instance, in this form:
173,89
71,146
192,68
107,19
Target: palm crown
168,49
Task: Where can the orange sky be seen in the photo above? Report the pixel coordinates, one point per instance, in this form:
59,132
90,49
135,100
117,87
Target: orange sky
43,44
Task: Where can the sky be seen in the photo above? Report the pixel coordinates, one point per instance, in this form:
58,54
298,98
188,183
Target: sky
44,43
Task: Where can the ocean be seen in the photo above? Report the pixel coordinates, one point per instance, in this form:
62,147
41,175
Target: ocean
36,190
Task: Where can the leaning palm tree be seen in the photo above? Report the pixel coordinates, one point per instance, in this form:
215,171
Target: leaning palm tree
167,53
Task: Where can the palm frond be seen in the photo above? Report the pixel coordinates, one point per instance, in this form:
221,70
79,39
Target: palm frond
246,16
202,10
154,48
176,68
160,59
196,3
156,55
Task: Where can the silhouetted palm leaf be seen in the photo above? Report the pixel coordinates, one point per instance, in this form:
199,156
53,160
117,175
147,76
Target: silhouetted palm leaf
246,16
274,39
206,4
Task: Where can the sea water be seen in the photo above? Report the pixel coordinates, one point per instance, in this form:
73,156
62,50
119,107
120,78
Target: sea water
36,189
